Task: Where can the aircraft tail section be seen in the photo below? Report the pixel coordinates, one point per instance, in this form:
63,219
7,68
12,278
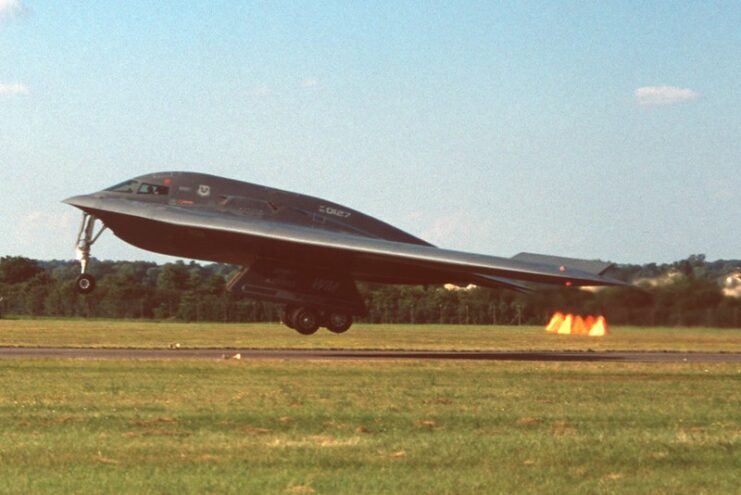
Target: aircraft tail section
589,266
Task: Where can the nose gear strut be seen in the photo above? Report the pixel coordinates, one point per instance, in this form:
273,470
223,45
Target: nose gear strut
86,237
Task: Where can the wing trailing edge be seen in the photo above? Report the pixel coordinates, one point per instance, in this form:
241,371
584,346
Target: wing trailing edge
594,267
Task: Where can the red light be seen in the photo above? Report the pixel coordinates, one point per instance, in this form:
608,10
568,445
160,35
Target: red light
561,268
568,283
167,182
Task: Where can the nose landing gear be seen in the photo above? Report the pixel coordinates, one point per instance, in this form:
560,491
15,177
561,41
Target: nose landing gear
86,237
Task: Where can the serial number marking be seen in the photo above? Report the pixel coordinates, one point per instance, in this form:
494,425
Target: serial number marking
329,210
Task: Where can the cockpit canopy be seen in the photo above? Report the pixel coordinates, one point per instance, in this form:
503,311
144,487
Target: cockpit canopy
135,186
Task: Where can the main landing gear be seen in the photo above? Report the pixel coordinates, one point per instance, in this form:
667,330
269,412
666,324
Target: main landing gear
307,321
86,237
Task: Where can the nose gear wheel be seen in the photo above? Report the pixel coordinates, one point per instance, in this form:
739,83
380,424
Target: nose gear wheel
85,283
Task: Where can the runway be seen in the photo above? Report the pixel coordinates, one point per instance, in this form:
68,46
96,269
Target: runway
345,354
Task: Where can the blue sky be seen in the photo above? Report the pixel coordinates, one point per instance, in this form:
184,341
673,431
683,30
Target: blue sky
604,130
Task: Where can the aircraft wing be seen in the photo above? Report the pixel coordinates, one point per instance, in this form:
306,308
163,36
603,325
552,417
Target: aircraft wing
275,236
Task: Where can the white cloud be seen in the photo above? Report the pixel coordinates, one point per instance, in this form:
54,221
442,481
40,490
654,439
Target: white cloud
310,82
13,89
11,8
722,189
259,91
663,95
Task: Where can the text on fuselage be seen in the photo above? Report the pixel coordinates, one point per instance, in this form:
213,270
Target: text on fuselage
330,210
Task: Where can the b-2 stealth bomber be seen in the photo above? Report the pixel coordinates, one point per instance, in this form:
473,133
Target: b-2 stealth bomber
303,252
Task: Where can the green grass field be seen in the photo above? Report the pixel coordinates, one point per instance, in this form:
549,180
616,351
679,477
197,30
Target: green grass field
111,333
368,427
303,427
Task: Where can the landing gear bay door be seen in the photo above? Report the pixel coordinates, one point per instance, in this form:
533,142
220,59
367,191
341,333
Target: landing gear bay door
298,286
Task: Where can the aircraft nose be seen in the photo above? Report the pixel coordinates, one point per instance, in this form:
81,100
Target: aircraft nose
81,201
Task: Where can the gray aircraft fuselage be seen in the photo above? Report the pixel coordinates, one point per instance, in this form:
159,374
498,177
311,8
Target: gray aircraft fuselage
295,249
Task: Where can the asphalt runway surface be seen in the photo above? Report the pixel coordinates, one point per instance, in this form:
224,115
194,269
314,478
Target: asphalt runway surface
340,354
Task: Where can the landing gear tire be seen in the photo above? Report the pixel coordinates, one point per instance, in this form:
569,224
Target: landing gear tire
338,322
85,283
305,321
286,317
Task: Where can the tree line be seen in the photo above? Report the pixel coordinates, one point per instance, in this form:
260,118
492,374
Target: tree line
684,293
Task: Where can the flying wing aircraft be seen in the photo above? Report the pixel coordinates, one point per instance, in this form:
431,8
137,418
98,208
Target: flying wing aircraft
300,251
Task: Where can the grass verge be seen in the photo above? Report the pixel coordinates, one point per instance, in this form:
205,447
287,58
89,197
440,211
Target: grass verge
368,427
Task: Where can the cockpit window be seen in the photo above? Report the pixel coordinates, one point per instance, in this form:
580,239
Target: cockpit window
125,187
153,189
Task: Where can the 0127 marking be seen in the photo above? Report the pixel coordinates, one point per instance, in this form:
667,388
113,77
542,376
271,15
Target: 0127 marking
330,210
